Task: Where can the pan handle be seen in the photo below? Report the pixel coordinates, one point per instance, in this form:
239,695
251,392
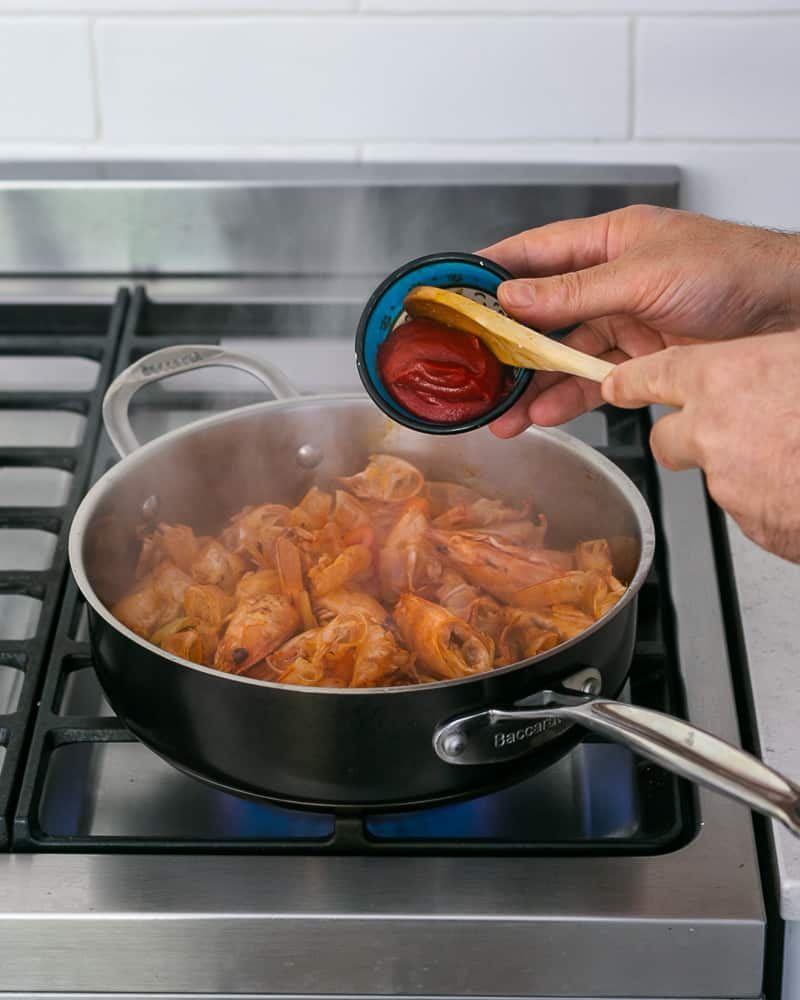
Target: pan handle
497,735
172,361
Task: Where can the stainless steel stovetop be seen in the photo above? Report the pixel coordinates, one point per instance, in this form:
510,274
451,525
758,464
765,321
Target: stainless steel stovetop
602,877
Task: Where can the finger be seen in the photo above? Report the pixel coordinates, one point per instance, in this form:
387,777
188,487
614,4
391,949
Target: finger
554,248
517,419
565,403
672,441
569,397
590,339
553,410
576,296
663,377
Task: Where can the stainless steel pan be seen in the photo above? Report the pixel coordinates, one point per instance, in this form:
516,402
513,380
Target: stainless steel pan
370,749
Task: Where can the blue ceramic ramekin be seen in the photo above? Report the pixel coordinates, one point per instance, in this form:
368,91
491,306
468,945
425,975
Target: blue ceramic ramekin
464,272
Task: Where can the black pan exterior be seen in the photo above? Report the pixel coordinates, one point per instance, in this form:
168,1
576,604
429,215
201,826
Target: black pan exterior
366,749
337,750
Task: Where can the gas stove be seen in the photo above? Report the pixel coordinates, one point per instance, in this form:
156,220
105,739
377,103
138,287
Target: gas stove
604,876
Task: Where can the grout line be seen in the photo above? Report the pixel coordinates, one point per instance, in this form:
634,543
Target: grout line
632,44
134,13
168,13
583,142
717,141
588,143
357,149
21,147
588,11
94,77
365,150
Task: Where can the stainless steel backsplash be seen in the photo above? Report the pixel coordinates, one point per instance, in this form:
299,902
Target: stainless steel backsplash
287,218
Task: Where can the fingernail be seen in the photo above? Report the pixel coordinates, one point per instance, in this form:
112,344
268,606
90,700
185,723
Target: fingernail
608,389
517,294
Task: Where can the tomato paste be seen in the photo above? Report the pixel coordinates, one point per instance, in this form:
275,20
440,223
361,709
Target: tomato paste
440,374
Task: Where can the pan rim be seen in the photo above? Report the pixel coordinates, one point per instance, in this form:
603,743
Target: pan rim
590,455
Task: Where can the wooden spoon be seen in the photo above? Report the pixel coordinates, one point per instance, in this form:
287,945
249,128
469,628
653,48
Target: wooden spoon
509,341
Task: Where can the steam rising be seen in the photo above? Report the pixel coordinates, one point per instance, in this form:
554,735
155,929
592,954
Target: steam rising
205,475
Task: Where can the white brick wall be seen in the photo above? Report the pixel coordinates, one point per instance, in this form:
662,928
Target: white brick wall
718,78
361,78
710,85
45,79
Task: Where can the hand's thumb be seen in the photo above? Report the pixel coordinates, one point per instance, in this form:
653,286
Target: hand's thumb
661,377
565,299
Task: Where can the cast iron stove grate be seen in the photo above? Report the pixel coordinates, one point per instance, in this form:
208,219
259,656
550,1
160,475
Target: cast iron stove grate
48,433
90,786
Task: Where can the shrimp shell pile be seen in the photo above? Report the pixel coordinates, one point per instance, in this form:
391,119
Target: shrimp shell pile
389,580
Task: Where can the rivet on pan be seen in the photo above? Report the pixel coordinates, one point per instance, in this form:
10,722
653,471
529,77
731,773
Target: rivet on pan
588,681
454,745
309,456
150,507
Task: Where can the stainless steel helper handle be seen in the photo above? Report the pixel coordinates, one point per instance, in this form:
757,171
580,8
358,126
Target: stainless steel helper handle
172,361
497,735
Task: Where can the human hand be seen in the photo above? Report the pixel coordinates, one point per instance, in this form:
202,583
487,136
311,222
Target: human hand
638,280
739,421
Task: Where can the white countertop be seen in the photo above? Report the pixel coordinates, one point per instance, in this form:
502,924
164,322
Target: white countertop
769,597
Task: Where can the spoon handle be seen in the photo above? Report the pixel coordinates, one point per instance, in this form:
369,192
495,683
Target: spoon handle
526,348
551,356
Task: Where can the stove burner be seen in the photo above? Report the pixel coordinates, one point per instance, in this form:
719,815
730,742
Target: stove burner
90,786
49,422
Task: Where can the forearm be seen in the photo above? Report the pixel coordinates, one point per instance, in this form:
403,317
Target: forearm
789,318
